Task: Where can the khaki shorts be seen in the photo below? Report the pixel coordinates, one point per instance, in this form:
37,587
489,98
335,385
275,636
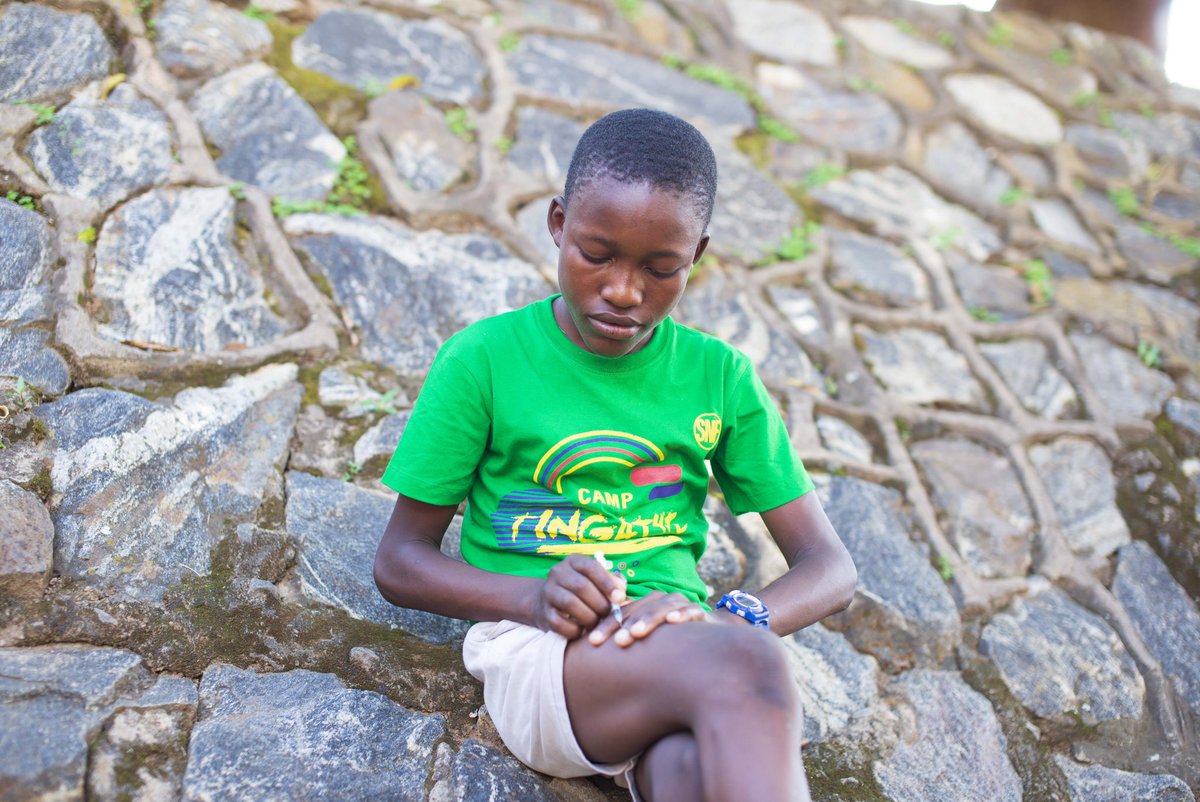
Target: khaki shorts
521,668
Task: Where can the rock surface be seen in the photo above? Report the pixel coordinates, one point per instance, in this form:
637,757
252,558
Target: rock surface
992,371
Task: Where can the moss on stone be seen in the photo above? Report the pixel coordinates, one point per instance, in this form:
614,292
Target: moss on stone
339,105
839,773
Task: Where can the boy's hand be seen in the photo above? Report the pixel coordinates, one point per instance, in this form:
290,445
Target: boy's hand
644,615
577,594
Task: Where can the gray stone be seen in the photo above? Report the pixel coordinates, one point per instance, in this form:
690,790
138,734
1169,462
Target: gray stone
304,735
1033,169
884,38
874,270
27,548
1078,476
556,14
27,353
957,753
337,527
424,153
853,122
902,613
722,566
316,444
268,135
478,772
843,439
1127,387
837,684
1165,617
1060,84
531,220
752,215
168,271
337,388
1004,108
578,73
1062,266
920,367
380,440
983,507
33,42
1177,206
1185,415
365,48
1099,208
1108,154
1152,256
1025,366
723,307
1171,137
1190,177
144,490
1130,312
801,310
24,266
54,700
1059,659
997,290
1057,221
544,144
899,204
955,162
447,282
103,151
1096,783
141,754
199,38
784,31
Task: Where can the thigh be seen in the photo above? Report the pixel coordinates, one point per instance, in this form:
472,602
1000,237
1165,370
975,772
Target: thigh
623,700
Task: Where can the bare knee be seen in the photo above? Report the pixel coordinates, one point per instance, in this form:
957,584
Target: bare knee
670,770
753,665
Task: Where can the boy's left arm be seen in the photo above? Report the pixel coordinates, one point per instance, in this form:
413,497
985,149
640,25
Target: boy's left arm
821,574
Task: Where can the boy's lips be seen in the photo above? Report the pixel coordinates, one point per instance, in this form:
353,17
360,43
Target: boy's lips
617,327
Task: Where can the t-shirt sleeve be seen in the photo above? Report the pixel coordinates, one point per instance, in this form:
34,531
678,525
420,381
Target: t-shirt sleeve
445,436
754,462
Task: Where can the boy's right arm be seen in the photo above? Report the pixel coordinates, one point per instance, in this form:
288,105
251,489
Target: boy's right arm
411,571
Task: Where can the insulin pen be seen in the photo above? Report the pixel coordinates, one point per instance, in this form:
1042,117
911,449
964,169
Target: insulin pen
616,608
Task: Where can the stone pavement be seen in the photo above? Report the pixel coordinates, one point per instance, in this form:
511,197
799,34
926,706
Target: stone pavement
963,250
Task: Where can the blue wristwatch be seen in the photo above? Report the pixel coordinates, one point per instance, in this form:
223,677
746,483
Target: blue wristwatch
749,607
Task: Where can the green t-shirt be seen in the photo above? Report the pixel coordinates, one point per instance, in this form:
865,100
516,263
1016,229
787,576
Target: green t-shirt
561,451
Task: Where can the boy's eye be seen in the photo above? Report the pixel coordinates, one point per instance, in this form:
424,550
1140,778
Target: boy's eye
662,273
596,260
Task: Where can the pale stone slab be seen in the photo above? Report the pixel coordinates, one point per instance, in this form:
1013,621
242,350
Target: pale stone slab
1058,221
884,38
980,497
837,685
1126,386
920,367
33,42
363,48
27,547
784,31
144,490
1078,476
168,271
304,735
954,160
1165,617
843,439
446,281
1025,366
1006,109
200,38
103,151
1096,783
1060,659
958,753
875,271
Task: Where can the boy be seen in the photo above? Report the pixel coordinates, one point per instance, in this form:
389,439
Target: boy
582,424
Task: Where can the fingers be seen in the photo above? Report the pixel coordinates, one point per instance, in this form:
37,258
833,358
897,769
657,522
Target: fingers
580,593
644,616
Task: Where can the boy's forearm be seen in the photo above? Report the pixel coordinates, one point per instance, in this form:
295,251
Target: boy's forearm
416,574
819,583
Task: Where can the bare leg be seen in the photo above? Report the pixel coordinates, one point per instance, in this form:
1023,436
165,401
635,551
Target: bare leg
729,686
669,771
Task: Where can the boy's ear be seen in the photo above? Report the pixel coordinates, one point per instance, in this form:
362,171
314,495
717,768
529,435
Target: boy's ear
556,218
700,249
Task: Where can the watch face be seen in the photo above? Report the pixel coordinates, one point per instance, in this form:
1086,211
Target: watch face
750,603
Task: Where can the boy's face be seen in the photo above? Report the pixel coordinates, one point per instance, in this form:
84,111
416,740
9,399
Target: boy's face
624,254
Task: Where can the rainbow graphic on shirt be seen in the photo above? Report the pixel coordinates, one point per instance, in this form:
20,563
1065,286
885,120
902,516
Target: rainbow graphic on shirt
589,515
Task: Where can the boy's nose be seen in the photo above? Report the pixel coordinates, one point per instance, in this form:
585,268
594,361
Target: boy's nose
622,289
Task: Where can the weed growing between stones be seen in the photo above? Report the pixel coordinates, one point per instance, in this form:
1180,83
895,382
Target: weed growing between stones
44,114
1062,56
796,245
1037,278
1125,200
629,9
1149,353
983,314
946,238
859,84
1014,195
22,200
510,41
458,120
821,175
87,235
261,14
349,196
1001,35
719,76
946,39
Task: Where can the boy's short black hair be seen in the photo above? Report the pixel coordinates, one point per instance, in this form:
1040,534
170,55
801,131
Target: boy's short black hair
647,146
